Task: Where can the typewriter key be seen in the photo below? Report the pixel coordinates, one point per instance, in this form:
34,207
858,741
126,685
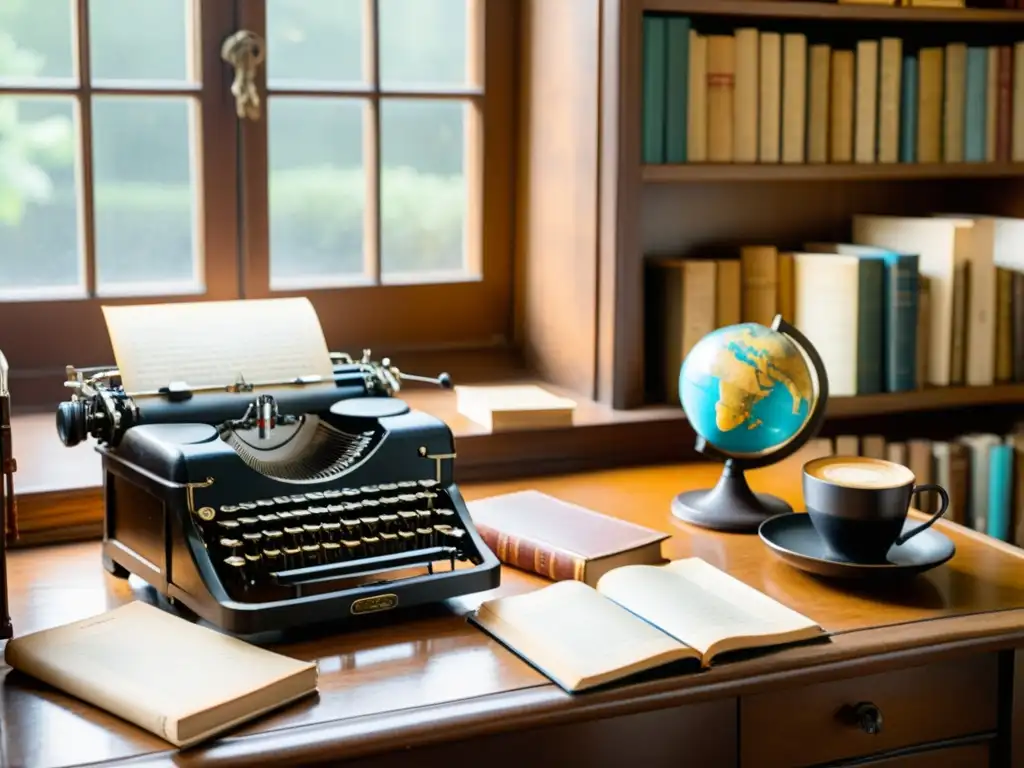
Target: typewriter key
352,528
229,527
334,510
406,541
314,496
407,519
371,546
234,574
352,548
407,498
253,564
252,542
311,533
427,483
249,523
424,518
370,505
331,532
353,508
300,516
318,512
269,521
298,498
388,543
292,557
293,536
247,505
282,500
388,487
350,493
370,525
333,494
231,547
311,554
273,560
369,490
406,484
424,537
445,515
285,516
388,523
273,539
229,509
389,501
331,551
264,502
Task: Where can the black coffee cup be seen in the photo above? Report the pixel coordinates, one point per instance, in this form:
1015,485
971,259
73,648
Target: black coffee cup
859,505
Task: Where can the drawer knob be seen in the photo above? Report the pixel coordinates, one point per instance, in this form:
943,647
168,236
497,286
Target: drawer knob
868,717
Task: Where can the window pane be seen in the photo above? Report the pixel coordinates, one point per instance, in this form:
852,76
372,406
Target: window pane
35,39
40,253
317,191
132,40
315,41
422,43
145,202
423,187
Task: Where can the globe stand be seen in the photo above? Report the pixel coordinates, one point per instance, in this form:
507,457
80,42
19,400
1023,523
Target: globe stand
731,506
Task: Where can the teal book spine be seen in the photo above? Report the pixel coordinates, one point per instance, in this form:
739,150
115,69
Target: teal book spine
974,105
677,82
908,110
1000,487
653,95
870,326
901,292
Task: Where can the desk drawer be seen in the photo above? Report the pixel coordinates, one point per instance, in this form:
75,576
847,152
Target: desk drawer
917,705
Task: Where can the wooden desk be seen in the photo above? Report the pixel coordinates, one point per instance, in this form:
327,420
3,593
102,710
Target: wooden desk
939,658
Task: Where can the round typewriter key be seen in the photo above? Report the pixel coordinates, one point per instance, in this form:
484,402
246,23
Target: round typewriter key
298,498
293,536
231,547
370,524
406,541
388,523
335,509
292,557
389,501
407,498
273,539
206,513
252,543
229,527
229,509
311,533
269,521
445,515
371,546
311,554
427,483
234,573
332,494
249,523
406,484
388,543
370,504
353,506
331,531
349,493
351,548
331,551
300,516
387,487
369,490
284,516
264,502
424,537
352,528
273,560
407,519
247,505
314,496
282,500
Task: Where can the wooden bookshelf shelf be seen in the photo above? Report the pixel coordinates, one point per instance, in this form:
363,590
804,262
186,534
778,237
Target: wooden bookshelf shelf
936,399
823,172
782,9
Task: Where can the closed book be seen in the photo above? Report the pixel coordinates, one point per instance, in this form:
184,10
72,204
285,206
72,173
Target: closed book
951,470
697,108
1018,326
900,310
976,105
908,111
721,79
1000,490
954,98
979,448
677,81
930,76
1004,325
653,93
180,681
769,100
559,540
890,69
506,408
865,122
745,133
794,97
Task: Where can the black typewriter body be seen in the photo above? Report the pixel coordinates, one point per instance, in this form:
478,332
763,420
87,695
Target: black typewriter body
333,512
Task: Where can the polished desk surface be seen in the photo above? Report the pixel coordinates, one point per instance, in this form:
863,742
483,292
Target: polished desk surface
403,679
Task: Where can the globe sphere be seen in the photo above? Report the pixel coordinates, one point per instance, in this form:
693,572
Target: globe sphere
747,390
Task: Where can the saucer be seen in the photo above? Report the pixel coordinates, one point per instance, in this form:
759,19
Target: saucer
793,538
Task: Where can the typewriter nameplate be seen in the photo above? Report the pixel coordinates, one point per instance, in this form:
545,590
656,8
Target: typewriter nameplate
375,603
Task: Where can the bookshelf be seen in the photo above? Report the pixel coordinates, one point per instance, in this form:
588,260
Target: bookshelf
591,211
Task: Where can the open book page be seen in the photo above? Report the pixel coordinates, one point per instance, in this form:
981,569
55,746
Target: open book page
705,607
213,343
576,637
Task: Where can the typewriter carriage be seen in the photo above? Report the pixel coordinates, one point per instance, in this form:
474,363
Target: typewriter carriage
281,506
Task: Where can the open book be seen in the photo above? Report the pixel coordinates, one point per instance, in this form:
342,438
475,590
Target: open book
637,618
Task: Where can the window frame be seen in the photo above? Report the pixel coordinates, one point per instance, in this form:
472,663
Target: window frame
232,195
50,334
469,313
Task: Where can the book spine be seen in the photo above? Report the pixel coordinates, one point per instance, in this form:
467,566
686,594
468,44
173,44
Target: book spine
999,491
974,105
870,333
531,556
1004,105
902,321
1017,304
908,111
677,81
654,57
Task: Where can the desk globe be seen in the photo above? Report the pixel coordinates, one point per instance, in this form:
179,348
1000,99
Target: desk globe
754,395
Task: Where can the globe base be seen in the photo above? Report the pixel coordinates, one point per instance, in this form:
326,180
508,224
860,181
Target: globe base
730,506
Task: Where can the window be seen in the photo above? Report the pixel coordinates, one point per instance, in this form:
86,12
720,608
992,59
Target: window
375,176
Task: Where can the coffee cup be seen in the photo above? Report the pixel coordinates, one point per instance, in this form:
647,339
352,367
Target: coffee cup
858,505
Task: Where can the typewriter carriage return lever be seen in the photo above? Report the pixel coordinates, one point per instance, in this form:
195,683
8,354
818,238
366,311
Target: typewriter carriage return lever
352,508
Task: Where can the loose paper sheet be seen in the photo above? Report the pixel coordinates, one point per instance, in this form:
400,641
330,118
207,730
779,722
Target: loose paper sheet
213,343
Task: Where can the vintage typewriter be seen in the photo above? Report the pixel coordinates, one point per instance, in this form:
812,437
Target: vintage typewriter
272,507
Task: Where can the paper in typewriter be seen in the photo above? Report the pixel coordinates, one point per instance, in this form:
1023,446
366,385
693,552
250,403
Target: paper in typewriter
214,343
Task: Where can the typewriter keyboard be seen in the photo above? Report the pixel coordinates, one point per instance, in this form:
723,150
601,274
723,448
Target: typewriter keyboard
288,545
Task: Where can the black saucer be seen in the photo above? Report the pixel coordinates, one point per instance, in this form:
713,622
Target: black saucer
794,539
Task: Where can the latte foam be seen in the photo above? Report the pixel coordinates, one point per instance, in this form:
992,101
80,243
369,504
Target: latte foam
859,472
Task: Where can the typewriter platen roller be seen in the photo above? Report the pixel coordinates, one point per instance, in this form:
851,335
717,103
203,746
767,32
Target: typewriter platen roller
271,509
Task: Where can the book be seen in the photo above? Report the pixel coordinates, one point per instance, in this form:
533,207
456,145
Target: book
638,618
513,407
560,540
180,681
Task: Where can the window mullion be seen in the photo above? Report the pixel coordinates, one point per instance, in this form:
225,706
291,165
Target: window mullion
86,221
372,142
